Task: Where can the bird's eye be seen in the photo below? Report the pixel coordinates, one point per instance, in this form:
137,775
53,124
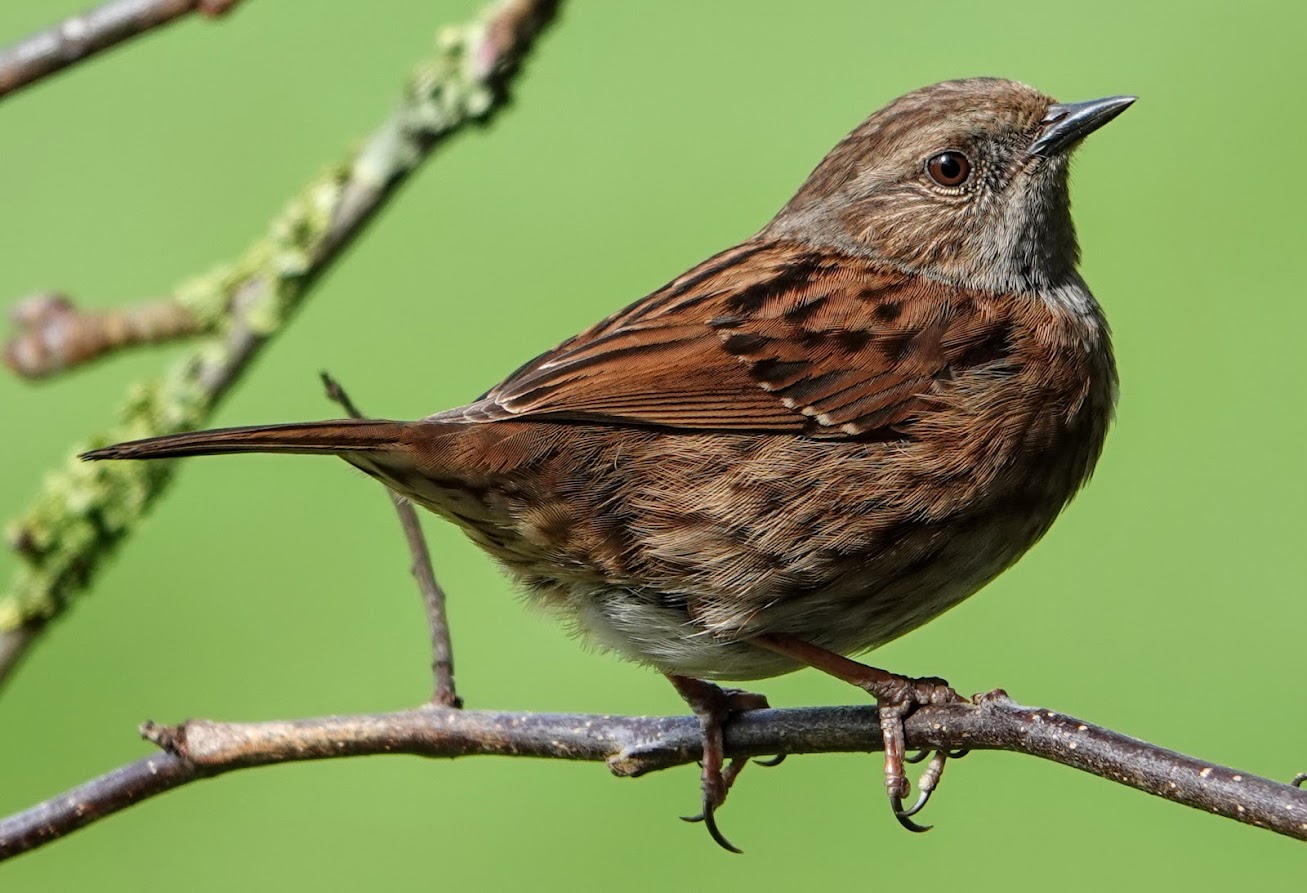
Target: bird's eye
948,168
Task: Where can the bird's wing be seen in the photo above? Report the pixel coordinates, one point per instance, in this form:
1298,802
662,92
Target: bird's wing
764,337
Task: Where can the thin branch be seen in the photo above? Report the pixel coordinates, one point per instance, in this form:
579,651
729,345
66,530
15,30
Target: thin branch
80,37
633,746
86,510
54,336
433,594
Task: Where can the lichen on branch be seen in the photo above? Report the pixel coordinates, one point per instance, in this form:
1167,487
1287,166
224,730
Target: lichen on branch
83,510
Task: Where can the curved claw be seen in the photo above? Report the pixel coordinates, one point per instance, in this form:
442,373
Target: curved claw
710,821
957,754
772,761
1299,779
905,816
918,756
717,835
922,799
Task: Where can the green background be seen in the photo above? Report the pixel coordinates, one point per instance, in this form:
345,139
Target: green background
1167,603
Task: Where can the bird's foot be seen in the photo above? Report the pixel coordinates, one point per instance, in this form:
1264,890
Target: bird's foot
896,698
714,706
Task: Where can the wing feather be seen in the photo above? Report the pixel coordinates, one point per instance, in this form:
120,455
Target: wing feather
767,337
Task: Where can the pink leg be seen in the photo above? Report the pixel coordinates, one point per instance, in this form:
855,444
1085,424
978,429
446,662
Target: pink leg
896,697
714,706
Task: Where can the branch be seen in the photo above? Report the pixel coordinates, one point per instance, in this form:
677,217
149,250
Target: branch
86,510
54,336
14,644
80,37
633,746
433,594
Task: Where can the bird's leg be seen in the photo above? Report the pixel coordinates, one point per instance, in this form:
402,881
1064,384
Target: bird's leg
714,706
896,697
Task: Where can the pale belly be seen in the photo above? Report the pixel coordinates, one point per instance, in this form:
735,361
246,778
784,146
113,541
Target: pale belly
852,615
675,557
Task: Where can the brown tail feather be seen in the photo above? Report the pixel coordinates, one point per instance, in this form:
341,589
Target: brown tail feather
343,436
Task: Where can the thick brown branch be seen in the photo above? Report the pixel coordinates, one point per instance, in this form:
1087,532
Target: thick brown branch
80,37
433,594
633,746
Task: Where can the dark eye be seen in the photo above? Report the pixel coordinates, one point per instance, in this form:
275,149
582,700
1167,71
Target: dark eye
949,168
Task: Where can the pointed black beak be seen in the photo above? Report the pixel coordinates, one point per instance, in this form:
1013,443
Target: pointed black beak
1069,122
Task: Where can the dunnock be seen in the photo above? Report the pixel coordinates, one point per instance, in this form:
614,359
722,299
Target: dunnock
808,444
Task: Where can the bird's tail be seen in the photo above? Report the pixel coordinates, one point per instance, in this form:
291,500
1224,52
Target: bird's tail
330,438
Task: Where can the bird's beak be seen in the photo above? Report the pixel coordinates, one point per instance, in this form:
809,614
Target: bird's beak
1069,122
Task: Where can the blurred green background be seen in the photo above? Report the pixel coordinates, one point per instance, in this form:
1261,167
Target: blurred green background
1167,603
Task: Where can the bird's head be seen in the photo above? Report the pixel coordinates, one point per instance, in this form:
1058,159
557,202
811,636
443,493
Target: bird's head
964,181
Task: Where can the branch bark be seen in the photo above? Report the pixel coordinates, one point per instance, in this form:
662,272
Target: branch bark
82,36
86,510
633,746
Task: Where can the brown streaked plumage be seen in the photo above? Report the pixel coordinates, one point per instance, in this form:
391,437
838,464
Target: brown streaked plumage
810,443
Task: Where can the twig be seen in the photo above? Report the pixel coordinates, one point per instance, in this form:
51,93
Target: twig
54,336
433,595
80,37
85,511
633,746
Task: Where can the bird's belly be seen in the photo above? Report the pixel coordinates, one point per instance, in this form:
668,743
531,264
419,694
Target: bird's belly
854,611
675,553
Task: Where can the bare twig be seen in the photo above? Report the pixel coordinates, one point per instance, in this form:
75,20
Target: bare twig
54,336
85,511
433,595
80,37
633,746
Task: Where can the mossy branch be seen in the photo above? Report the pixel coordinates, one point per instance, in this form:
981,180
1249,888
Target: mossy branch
84,511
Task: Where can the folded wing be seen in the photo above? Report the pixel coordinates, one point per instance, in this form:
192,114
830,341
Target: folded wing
768,337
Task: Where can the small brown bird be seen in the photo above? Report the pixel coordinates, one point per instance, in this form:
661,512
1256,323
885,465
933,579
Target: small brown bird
810,443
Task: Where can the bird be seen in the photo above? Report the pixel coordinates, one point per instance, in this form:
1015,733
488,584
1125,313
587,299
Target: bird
805,446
